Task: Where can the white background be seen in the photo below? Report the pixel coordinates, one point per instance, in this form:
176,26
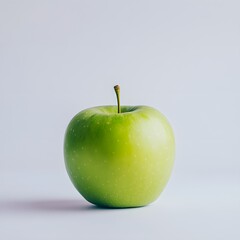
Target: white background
59,57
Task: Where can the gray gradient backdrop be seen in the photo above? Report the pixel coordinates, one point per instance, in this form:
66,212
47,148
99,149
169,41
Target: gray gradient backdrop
59,57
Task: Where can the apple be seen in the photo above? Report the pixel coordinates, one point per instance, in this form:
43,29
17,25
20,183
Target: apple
119,156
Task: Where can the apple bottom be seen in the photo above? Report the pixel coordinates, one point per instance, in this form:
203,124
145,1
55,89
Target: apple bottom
122,187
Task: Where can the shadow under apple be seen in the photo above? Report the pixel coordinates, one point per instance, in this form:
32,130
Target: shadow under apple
50,205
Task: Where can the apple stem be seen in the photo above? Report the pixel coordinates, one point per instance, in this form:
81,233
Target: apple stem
117,91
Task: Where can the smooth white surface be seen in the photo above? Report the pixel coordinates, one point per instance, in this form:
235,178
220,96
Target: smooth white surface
44,206
59,57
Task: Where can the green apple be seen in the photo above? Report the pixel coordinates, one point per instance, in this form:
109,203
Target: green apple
119,156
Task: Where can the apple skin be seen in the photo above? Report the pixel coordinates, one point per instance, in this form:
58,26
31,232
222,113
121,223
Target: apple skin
122,159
